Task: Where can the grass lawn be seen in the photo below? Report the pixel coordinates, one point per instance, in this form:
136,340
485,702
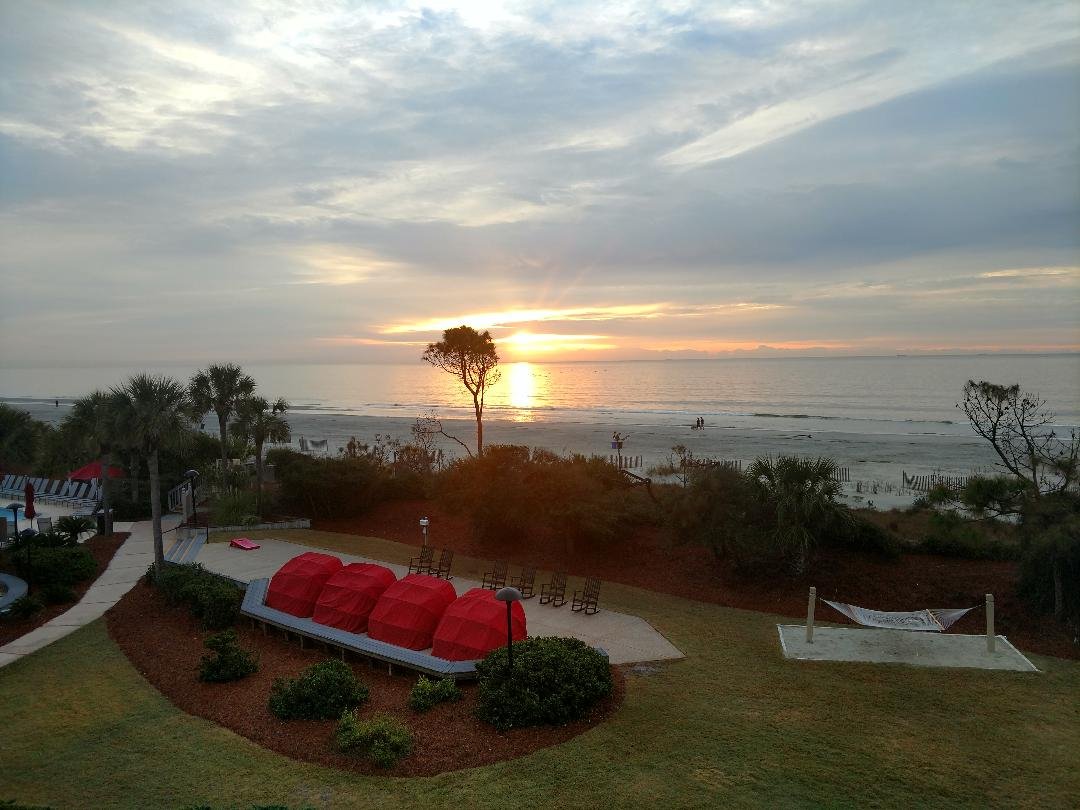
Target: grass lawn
733,724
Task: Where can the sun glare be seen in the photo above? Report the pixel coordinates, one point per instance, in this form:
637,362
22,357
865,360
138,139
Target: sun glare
522,385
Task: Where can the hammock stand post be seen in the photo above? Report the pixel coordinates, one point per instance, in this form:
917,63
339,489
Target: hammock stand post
990,637
810,615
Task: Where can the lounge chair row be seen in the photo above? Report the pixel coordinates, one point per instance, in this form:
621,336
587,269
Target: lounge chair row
552,593
73,494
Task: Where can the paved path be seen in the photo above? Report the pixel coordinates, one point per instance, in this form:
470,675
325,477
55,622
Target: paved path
127,566
626,638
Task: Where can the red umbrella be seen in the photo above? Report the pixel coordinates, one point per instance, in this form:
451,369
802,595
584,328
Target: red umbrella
92,470
29,493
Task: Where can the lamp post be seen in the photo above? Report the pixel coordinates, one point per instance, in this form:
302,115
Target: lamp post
423,527
191,475
509,595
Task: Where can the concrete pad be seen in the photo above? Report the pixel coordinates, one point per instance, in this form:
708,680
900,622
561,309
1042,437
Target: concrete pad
626,638
878,646
8,658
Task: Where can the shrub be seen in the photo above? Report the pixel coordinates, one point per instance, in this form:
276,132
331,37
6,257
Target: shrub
951,535
427,693
229,662
71,526
330,487
213,600
1050,566
56,594
322,692
382,739
62,566
233,509
25,607
555,681
856,532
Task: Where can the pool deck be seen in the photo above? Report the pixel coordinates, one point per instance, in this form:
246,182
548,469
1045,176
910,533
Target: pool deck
627,639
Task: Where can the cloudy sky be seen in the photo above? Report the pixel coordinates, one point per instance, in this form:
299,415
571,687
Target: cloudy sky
183,182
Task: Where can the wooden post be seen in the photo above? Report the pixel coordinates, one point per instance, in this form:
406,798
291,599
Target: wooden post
990,637
810,615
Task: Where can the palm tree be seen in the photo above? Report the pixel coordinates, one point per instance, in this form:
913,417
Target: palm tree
802,493
157,415
97,418
219,388
258,422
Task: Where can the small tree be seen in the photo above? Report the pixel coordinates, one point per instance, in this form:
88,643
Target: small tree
220,388
1018,426
471,357
258,422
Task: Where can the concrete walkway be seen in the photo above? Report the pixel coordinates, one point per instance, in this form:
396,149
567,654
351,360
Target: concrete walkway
626,638
127,566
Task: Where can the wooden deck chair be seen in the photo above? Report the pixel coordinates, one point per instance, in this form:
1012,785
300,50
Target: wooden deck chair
586,600
554,593
525,582
496,577
442,570
422,564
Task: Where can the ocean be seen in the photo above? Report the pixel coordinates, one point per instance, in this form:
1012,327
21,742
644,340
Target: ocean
879,416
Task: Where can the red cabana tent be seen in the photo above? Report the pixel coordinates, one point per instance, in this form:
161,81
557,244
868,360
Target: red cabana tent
474,625
91,471
349,596
409,611
297,584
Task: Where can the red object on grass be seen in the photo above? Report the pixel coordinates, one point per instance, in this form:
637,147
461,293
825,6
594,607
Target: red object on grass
475,624
88,472
246,543
28,495
409,611
350,595
297,584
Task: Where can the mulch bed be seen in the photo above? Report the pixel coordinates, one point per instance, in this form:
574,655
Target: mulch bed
646,559
102,548
166,645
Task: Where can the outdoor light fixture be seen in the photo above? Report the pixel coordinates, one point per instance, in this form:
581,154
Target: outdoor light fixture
423,527
509,595
191,475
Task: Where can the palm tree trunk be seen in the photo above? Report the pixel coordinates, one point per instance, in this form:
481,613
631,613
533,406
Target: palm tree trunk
155,509
107,459
223,431
258,479
135,470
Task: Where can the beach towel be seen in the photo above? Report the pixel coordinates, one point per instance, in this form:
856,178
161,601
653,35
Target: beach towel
243,543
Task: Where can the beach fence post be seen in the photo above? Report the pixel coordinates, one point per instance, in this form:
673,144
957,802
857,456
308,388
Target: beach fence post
990,637
810,615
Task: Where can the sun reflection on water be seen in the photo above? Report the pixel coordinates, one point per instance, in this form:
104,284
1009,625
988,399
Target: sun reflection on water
524,384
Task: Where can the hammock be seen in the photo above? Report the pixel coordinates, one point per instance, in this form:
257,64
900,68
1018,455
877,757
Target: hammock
931,621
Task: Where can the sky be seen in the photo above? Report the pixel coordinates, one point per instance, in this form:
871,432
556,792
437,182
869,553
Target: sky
186,182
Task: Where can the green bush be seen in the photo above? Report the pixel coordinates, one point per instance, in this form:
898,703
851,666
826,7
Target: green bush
72,526
233,509
322,692
951,535
426,693
330,487
56,594
229,662
1050,566
61,566
211,598
513,491
856,532
554,681
25,607
382,739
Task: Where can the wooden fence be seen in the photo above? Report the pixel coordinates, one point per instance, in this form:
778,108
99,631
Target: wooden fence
924,483
625,462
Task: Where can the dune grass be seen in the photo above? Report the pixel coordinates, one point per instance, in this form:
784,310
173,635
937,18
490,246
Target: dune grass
732,725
